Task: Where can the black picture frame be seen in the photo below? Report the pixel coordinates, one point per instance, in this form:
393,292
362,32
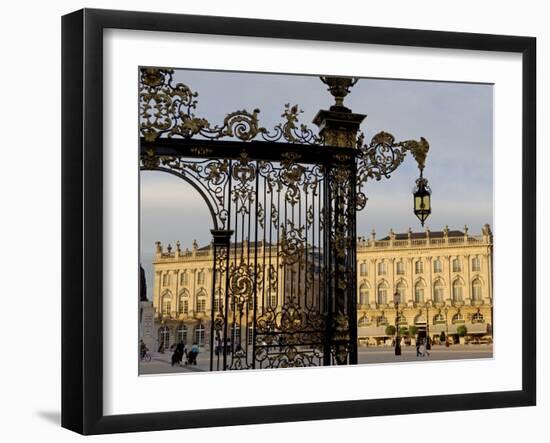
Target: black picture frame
82,219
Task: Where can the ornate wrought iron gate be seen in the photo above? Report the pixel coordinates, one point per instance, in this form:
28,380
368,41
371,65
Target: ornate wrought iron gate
283,204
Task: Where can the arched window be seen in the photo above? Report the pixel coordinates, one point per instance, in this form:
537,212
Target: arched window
439,318
363,269
402,320
402,291
437,266
166,303
381,321
477,318
438,292
458,318
420,320
419,291
181,334
184,278
164,337
183,302
201,301
476,264
400,267
382,295
476,290
457,267
199,334
418,267
457,290
364,295
200,278
363,321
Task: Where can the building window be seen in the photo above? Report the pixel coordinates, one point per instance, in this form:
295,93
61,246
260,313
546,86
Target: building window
477,318
236,335
364,295
401,291
363,321
199,335
476,290
381,321
166,279
400,268
458,318
402,320
419,267
184,278
363,269
419,291
476,264
272,298
382,296
183,302
439,318
181,334
457,290
438,292
456,265
166,304
200,278
437,266
381,268
419,320
164,337
201,301
250,334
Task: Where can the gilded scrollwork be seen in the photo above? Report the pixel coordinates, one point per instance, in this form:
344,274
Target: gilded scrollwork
166,109
382,156
210,176
292,243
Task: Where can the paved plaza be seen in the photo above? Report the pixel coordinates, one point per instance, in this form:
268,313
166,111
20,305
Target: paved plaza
160,363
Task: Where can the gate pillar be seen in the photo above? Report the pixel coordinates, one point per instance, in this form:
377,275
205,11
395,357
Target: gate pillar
218,314
338,126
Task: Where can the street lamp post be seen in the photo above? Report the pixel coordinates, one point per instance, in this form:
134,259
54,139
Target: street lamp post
446,310
428,340
396,299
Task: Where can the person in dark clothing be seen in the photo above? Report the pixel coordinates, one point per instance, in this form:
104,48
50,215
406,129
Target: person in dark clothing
418,354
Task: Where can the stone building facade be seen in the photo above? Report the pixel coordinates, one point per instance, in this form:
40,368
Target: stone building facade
443,278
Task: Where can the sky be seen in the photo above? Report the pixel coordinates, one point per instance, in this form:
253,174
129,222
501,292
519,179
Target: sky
456,119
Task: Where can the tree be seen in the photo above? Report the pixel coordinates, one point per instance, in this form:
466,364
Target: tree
404,331
461,330
390,330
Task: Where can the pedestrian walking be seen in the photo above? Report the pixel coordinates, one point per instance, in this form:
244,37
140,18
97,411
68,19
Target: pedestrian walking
418,354
425,348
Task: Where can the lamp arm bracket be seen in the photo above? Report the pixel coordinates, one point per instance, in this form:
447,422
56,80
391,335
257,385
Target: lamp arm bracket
382,156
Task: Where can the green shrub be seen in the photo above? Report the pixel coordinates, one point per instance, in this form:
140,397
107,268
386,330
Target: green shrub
390,330
461,330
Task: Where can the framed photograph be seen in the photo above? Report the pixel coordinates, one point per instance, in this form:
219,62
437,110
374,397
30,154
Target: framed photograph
269,221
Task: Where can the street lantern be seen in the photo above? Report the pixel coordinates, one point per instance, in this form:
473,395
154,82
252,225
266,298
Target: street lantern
422,203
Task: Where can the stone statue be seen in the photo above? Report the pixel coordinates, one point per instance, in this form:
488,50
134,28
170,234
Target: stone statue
142,285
